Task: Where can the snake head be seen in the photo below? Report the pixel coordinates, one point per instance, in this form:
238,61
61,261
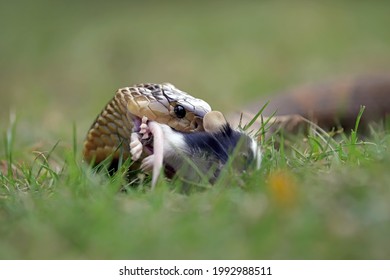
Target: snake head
166,104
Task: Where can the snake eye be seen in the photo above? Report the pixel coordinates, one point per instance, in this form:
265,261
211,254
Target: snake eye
180,112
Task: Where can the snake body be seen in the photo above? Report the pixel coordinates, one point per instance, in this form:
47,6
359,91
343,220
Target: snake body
329,104
110,133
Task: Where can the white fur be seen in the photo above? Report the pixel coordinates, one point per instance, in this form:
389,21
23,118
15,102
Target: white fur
172,140
169,146
166,143
256,152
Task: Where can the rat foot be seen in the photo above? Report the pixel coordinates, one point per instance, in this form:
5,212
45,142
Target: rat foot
136,145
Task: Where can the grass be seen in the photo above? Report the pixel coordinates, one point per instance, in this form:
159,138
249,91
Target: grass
322,198
314,197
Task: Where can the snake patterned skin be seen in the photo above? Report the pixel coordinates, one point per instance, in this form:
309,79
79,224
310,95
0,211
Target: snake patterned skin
110,133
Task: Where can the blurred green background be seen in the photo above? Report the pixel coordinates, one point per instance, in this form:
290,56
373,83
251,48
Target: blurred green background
61,61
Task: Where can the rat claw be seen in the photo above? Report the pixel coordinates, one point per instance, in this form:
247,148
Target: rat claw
135,146
144,119
144,128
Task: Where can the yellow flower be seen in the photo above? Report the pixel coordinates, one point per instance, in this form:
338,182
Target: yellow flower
283,187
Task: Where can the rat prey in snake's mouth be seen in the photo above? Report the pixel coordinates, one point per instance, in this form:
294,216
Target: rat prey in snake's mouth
159,126
109,135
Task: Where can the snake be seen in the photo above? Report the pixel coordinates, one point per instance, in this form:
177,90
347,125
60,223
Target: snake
110,133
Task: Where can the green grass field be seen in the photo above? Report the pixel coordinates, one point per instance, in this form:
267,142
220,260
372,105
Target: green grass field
315,198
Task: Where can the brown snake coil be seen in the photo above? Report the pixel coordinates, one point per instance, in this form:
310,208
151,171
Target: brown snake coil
110,133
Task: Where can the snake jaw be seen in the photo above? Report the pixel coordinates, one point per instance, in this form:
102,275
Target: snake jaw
137,121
